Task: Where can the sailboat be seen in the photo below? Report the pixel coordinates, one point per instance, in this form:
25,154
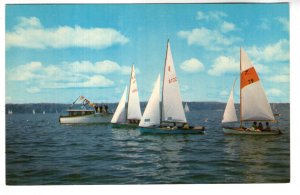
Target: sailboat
44,112
133,115
186,107
33,111
10,112
254,105
170,118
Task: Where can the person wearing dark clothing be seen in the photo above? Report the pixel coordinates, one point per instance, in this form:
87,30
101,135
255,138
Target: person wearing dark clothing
260,126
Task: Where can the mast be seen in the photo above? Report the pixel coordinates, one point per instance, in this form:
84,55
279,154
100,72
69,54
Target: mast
129,92
241,118
162,94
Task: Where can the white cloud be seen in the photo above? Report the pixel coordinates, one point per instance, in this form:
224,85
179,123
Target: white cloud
209,39
33,90
224,93
274,92
265,24
285,23
262,69
66,74
224,64
30,33
211,15
192,65
279,78
274,52
227,27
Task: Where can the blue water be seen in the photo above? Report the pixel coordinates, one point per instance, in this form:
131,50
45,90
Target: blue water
41,151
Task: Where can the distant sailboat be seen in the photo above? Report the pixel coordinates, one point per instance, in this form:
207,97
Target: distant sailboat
166,119
44,112
186,107
33,111
10,112
254,105
131,116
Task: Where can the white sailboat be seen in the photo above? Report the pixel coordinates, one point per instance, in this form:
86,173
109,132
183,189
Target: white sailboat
10,112
186,107
171,116
133,115
254,105
44,112
33,111
85,115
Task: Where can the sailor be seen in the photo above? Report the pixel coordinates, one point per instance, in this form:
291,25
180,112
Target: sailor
268,128
260,126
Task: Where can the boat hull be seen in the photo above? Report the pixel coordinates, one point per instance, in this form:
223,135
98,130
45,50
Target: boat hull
125,125
159,130
86,119
240,131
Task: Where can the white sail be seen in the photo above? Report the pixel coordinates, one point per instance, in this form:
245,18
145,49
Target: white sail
134,109
119,115
151,114
172,108
186,108
255,105
33,111
230,113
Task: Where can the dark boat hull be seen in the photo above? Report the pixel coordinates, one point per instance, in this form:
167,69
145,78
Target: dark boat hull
241,131
163,130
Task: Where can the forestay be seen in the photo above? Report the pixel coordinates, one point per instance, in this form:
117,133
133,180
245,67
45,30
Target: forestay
255,105
119,115
172,108
151,116
134,109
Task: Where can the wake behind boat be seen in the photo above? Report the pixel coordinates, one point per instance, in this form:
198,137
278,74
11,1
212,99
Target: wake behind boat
170,119
132,117
254,105
84,115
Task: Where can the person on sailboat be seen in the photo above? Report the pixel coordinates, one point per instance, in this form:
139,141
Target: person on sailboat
268,128
253,127
260,126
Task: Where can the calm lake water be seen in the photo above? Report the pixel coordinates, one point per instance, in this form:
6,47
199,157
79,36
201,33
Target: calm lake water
41,151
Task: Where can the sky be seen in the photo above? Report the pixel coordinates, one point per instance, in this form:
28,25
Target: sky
55,53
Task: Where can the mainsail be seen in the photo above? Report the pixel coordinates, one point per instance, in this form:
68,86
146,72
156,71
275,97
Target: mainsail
134,109
230,113
119,115
254,103
151,114
172,109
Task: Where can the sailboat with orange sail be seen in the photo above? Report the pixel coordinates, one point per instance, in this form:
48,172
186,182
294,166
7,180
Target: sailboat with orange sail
254,105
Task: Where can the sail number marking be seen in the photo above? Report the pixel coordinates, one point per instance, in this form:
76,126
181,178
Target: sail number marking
172,80
248,77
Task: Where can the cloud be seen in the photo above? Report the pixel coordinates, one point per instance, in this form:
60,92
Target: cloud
285,23
209,39
211,15
192,65
66,74
265,24
227,27
273,52
29,33
224,64
33,90
274,92
279,78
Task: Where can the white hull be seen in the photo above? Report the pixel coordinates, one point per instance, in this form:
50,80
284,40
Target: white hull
238,131
86,119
